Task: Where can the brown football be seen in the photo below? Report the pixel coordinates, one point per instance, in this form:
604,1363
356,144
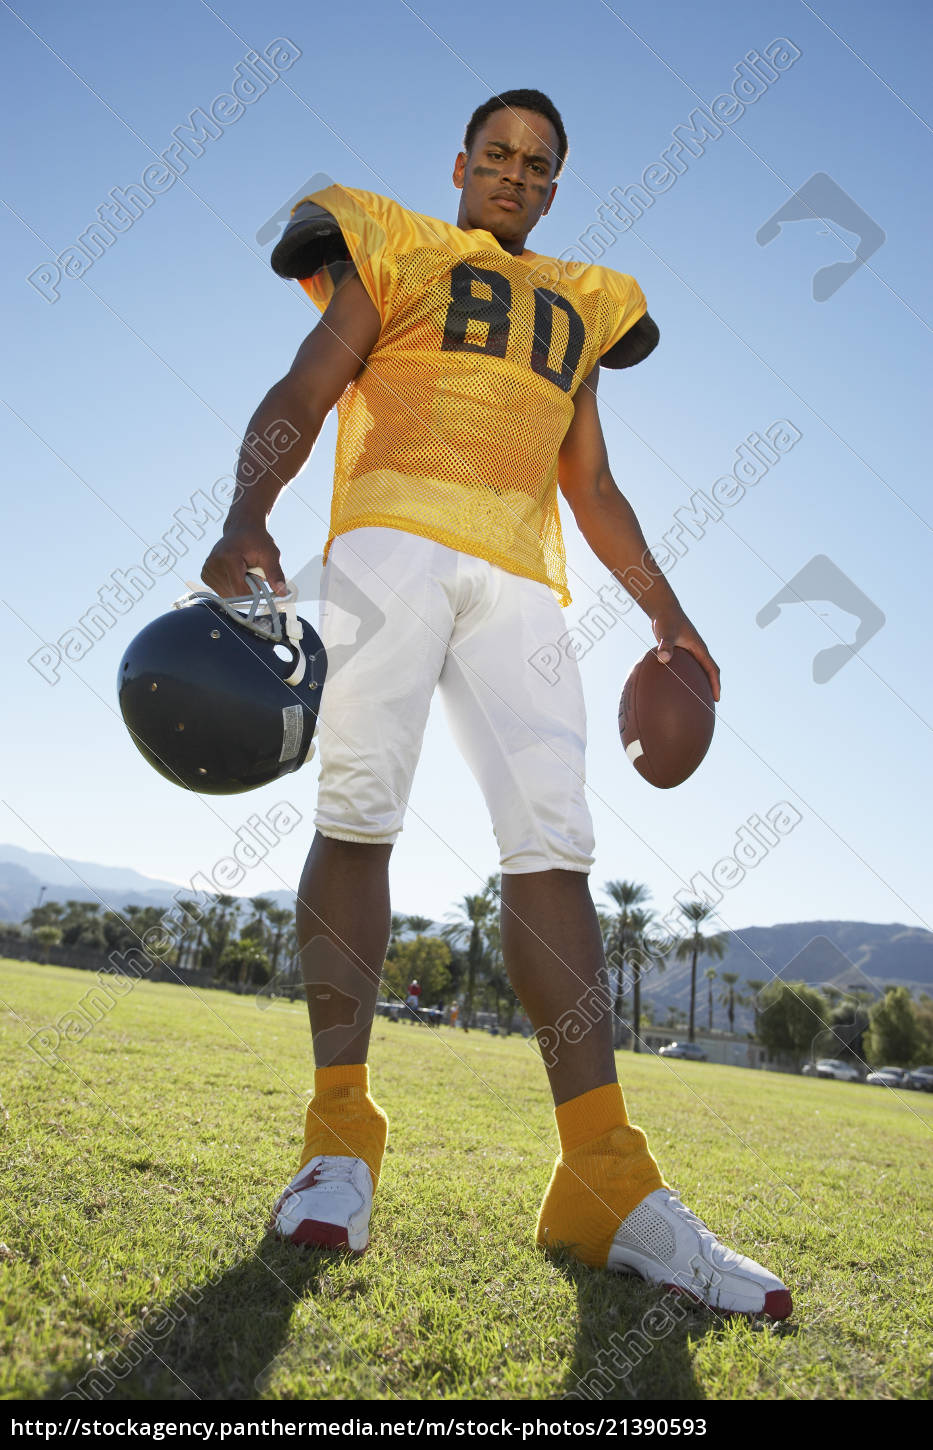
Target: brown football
666,717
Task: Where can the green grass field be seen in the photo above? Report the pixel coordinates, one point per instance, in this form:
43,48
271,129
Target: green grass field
138,1172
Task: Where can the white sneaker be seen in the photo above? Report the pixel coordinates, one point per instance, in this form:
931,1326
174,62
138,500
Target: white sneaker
667,1244
328,1203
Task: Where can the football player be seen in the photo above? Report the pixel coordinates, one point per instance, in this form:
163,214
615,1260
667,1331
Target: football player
464,368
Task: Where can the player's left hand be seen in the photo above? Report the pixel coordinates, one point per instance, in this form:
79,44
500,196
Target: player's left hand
674,628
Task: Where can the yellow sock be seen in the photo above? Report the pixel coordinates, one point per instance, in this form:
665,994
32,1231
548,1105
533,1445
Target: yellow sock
342,1119
603,1172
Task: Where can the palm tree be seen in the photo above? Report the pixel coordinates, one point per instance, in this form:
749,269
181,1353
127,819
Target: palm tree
280,918
642,951
220,924
289,949
418,924
607,926
756,987
625,895
261,905
132,927
188,929
497,978
501,997
48,913
120,928
469,927
80,924
710,975
397,924
695,946
728,997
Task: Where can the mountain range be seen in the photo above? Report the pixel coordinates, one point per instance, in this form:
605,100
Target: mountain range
24,873
847,955
850,956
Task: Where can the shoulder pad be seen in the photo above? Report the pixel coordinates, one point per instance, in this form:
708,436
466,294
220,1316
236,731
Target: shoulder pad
311,240
633,346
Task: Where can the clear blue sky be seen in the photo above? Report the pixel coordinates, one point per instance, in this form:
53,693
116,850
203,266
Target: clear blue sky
131,391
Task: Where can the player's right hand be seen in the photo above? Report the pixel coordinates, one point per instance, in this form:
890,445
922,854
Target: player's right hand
242,547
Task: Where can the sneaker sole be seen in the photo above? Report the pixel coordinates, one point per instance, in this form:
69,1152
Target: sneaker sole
778,1303
314,1233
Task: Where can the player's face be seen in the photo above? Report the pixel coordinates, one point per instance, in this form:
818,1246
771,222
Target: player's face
506,179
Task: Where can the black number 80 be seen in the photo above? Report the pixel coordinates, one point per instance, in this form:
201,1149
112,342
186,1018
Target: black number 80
494,312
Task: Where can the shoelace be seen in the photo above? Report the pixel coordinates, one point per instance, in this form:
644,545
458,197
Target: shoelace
719,1253
675,1202
337,1168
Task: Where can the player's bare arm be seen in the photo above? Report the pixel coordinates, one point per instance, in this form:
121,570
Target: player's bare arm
329,358
607,521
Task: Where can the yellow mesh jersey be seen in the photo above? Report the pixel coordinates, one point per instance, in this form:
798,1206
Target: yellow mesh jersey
453,428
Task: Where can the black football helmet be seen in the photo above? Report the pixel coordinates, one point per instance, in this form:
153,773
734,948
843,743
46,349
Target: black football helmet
222,695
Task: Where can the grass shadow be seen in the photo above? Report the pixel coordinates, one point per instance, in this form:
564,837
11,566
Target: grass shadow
635,1341
225,1338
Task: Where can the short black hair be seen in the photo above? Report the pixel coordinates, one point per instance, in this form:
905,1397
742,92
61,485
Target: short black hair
521,100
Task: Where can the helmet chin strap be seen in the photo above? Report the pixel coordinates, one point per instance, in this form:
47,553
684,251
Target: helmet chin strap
279,609
266,614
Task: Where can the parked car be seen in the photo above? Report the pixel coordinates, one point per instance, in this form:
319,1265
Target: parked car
683,1049
921,1078
835,1067
894,1077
